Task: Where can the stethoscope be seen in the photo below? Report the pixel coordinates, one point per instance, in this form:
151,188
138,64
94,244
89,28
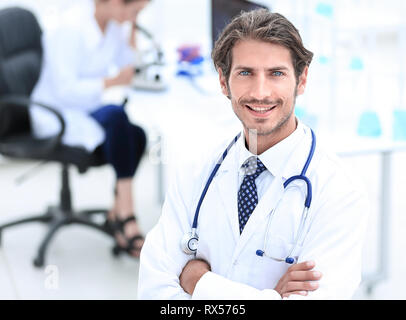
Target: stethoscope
190,240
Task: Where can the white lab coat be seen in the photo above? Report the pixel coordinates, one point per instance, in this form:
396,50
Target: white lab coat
335,229
77,57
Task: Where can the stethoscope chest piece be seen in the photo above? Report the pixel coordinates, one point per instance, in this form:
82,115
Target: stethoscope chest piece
189,242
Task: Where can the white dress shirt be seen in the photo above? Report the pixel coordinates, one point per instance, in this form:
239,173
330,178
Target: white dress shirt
77,57
333,234
271,158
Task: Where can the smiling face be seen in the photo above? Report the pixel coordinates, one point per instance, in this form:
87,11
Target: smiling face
262,87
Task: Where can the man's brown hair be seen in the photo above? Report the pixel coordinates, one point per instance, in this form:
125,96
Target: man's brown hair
263,25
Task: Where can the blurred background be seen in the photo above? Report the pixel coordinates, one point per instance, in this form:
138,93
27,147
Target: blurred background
355,99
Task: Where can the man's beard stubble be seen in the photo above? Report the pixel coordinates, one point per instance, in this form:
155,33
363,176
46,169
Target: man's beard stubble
242,102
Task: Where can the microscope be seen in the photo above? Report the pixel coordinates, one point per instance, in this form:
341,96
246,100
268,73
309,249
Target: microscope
148,67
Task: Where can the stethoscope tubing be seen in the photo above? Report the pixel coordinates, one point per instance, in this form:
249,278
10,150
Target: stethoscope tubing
212,175
289,259
307,203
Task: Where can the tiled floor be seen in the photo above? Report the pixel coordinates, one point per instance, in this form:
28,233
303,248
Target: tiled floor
79,263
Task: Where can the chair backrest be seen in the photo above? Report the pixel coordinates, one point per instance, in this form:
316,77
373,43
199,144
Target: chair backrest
20,66
20,51
21,55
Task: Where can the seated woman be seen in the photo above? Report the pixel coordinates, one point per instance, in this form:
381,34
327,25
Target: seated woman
79,55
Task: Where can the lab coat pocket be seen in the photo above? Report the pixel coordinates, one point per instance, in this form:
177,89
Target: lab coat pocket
268,269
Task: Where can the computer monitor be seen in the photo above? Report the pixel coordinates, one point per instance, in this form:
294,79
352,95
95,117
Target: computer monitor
222,12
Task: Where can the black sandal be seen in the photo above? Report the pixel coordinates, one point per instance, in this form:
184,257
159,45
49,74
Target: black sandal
131,247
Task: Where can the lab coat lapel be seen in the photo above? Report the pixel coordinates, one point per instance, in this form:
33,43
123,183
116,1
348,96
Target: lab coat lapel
226,184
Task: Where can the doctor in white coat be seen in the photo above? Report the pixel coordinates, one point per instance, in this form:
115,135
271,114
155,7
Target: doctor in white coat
79,55
241,254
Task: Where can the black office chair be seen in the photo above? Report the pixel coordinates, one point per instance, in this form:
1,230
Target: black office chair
20,65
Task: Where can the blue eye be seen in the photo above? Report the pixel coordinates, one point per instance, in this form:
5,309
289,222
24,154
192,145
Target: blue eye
277,73
244,73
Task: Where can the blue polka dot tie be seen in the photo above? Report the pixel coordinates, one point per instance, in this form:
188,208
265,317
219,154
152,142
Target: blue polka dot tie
247,195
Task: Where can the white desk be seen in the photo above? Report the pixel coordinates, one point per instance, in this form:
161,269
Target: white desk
385,148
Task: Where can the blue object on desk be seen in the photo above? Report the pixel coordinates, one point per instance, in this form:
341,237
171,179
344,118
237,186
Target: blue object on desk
325,9
191,68
323,60
306,117
356,63
369,125
300,112
399,125
190,61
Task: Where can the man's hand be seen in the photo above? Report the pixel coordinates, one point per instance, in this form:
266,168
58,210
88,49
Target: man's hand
299,279
191,273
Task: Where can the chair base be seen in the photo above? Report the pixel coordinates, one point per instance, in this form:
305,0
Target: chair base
56,219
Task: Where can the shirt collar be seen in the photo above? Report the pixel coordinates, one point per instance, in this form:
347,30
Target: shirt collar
276,157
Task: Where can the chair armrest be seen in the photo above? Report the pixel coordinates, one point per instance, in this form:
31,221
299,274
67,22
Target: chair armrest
22,100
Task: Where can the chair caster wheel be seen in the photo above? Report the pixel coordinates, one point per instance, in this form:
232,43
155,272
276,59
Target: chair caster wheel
116,251
38,262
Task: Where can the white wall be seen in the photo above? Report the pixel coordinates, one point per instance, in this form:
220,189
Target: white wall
371,30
